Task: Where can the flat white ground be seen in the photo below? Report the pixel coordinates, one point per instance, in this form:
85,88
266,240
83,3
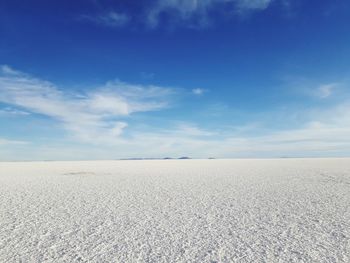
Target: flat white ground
286,210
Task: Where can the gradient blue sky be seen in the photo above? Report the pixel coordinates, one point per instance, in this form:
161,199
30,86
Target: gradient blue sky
104,79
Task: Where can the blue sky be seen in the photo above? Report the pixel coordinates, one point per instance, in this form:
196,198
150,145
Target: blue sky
105,79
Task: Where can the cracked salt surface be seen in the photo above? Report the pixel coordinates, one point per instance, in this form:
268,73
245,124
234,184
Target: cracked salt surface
283,210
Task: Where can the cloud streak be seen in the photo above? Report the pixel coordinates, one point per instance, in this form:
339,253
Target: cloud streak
187,11
173,13
324,91
8,111
100,119
11,142
90,116
198,91
110,19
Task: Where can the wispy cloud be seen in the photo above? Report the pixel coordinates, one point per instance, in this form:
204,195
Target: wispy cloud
111,19
199,11
99,118
11,142
315,88
94,115
253,4
185,13
325,132
312,139
9,111
188,129
326,90
5,69
147,75
198,91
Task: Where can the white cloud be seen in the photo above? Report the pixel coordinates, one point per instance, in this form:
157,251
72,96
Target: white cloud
326,133
189,13
99,117
314,89
147,75
8,70
324,91
92,116
198,91
112,19
188,129
253,4
11,142
185,10
8,111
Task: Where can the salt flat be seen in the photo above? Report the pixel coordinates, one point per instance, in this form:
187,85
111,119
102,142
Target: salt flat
282,210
